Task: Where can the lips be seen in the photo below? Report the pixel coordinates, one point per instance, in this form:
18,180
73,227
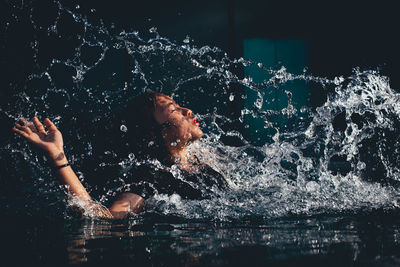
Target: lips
195,122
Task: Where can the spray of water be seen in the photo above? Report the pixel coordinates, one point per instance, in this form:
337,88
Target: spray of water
295,173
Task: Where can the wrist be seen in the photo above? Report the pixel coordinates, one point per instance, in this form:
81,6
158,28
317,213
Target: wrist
57,158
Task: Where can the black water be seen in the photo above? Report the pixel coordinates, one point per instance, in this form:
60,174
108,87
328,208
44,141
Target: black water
371,239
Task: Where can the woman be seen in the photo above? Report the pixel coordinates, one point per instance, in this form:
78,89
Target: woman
154,126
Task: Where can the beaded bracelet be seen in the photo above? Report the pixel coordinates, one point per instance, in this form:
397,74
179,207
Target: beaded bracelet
62,166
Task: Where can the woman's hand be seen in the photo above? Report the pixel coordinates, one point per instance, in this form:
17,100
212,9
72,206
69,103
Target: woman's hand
49,141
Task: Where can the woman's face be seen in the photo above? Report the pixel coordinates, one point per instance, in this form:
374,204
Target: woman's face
181,125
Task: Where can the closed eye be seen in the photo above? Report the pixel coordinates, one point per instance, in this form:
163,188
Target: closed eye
172,107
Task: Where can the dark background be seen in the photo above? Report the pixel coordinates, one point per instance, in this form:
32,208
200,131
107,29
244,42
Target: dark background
340,34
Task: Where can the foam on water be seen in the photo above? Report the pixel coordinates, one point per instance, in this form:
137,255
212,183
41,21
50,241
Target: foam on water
293,174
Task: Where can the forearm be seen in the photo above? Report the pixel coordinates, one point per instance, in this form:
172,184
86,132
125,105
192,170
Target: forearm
124,205
68,177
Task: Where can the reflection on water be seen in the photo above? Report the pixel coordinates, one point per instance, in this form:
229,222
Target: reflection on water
152,241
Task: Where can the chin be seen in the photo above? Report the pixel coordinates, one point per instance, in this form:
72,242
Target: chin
198,134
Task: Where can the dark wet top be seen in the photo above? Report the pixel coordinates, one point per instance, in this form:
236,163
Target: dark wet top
201,182
146,180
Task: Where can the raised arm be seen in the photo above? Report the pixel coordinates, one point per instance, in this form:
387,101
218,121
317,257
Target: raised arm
51,142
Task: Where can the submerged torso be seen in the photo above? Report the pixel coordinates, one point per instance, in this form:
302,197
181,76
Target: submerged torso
106,178
197,183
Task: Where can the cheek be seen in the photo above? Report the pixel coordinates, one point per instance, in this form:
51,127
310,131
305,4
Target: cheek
176,133
185,133
191,133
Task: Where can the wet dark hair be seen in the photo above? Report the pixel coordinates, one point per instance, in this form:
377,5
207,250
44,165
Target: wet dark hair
132,130
143,131
111,143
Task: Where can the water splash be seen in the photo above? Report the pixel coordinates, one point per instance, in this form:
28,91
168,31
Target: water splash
340,157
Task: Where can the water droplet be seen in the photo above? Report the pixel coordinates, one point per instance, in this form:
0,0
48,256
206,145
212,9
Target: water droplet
361,165
123,128
231,97
186,40
258,103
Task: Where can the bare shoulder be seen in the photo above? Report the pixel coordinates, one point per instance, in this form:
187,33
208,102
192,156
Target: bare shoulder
125,204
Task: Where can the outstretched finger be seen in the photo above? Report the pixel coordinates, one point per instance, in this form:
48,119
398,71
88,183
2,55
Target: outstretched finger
25,129
39,125
49,125
24,134
28,124
23,121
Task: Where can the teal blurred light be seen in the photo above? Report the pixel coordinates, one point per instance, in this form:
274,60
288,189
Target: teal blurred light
273,54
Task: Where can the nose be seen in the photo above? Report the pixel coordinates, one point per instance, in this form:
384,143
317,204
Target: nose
186,112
